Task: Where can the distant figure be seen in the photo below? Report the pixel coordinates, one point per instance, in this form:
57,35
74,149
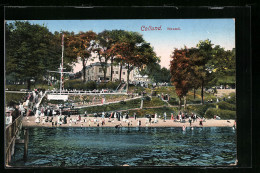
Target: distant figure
139,122
164,116
201,122
190,120
117,126
155,118
172,116
135,116
183,127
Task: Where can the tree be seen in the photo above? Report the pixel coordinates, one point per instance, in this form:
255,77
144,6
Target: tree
81,44
224,65
134,52
181,75
29,51
201,65
103,48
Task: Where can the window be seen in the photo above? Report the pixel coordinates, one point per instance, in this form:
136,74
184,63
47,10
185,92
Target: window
123,73
100,70
116,72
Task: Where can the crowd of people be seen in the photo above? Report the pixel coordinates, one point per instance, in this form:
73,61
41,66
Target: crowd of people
27,106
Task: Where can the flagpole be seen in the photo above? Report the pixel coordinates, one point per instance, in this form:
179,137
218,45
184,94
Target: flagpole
61,68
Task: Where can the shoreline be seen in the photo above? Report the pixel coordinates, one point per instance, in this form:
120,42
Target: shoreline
132,123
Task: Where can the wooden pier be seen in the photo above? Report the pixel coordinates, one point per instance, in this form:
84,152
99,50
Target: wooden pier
12,136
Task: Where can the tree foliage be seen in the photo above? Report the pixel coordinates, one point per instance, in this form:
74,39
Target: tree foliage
30,51
181,72
202,67
81,45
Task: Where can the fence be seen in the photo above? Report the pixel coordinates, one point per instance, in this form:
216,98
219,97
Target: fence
11,133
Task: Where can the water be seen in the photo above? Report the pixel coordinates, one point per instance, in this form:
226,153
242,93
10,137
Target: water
76,147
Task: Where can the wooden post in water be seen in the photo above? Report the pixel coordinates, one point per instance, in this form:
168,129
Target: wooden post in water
26,140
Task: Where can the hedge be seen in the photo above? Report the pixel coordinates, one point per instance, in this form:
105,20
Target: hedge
223,114
227,106
199,109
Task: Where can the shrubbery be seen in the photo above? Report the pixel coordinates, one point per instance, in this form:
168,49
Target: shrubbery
11,98
232,98
226,105
223,114
155,101
90,85
113,107
15,87
199,109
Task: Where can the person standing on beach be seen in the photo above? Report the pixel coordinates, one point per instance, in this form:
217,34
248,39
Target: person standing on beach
201,122
155,118
171,116
165,116
190,120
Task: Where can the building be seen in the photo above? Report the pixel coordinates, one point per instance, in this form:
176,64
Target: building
94,72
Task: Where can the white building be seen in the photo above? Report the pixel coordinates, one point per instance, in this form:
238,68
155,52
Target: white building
94,72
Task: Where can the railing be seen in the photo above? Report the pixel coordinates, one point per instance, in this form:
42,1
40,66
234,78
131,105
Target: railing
11,132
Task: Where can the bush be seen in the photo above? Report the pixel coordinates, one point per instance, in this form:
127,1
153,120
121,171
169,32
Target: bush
15,87
154,102
232,100
112,85
101,86
113,107
226,106
14,98
199,109
159,111
79,85
223,114
173,101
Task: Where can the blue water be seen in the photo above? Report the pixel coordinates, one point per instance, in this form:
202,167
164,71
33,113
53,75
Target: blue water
74,147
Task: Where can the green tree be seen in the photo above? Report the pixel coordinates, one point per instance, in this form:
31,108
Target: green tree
29,51
134,52
81,45
202,66
103,48
224,65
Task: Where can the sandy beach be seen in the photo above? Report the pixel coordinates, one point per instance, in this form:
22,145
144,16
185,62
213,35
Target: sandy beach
90,122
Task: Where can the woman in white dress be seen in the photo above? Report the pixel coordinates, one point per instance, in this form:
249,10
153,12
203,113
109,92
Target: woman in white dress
36,113
155,118
37,120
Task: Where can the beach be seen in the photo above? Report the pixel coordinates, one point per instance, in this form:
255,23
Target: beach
131,122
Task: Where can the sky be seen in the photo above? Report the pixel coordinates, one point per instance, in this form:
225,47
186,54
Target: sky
219,31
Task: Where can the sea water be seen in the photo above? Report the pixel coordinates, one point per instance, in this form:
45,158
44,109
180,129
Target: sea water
108,146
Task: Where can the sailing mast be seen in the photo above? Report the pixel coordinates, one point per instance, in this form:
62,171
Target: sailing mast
61,66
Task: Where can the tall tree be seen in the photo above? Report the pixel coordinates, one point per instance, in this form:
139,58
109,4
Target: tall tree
134,52
202,67
28,48
81,44
180,68
103,47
